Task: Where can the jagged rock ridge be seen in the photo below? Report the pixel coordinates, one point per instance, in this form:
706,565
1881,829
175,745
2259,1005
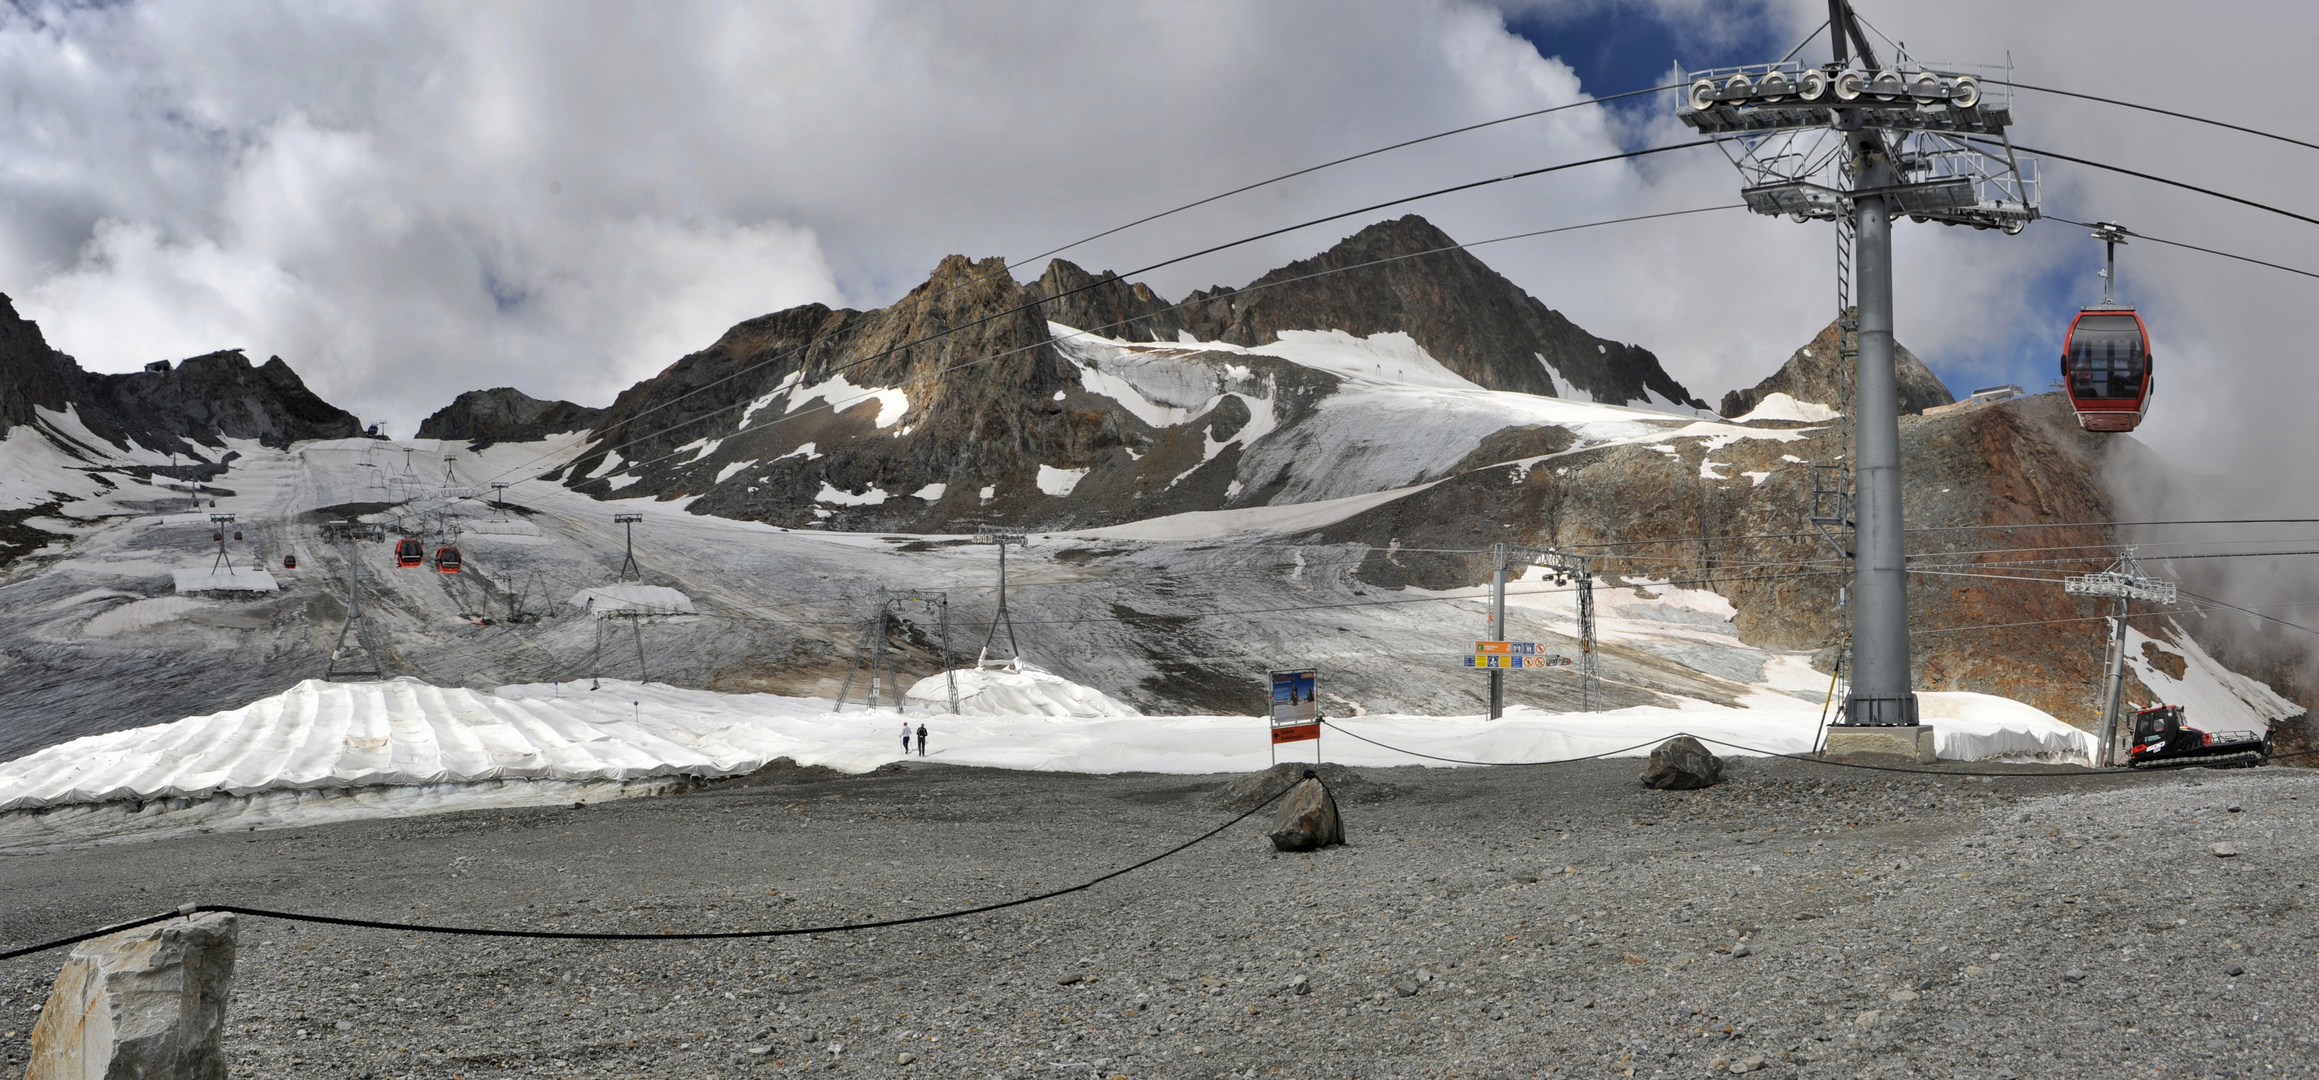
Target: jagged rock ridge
198,402
1816,373
979,416
1402,275
505,414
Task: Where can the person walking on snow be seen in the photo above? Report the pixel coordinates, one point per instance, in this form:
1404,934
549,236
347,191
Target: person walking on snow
905,738
921,740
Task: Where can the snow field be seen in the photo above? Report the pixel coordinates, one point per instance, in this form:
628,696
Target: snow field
403,733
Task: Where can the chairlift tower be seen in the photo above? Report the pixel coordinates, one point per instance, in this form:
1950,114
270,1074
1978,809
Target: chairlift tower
217,524
1014,651
499,498
363,659
871,653
1567,569
1867,142
2124,583
628,564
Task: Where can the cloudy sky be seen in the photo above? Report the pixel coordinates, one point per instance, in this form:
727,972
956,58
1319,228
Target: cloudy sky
410,200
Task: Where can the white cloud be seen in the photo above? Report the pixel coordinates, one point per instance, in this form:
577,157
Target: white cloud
410,201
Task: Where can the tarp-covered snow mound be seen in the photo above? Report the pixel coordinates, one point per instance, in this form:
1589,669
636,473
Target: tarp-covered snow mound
407,733
1018,689
632,600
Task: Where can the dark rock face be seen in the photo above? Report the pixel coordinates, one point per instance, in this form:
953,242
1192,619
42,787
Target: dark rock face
202,401
1104,304
31,373
217,396
1464,314
1816,373
1682,764
505,414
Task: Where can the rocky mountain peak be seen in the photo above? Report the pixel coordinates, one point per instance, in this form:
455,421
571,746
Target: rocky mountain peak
31,373
506,414
202,400
1817,373
1415,279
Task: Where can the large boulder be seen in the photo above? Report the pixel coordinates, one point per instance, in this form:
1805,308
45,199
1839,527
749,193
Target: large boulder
142,1004
1309,821
1682,764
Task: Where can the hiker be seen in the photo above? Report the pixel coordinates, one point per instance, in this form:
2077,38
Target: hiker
906,738
921,740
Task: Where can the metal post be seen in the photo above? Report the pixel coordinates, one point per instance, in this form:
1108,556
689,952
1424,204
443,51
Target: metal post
1589,680
949,665
1880,660
2114,687
1497,627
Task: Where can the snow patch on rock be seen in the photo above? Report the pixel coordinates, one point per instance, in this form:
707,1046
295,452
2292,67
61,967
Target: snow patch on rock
1059,482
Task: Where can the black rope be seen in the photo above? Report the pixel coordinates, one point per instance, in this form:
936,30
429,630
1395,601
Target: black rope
1462,761
1808,758
561,935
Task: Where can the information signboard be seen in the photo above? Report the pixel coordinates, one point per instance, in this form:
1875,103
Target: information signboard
1295,715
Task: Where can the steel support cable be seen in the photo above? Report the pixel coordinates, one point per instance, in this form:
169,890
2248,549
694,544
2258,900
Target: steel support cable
978,361
2153,178
1484,598
563,935
2192,247
1099,283
1962,528
2153,109
2251,611
1196,203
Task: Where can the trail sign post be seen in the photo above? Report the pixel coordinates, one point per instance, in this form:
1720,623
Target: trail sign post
1515,654
1296,717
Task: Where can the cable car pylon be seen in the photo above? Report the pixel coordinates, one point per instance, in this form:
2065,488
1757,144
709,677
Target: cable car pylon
1871,142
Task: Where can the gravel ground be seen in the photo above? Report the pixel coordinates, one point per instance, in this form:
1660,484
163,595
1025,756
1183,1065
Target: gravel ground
1797,919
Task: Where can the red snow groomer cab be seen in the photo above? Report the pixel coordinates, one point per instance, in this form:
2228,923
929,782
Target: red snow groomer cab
2162,738
410,552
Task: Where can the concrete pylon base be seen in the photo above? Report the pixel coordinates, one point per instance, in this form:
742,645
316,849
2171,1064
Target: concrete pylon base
1912,741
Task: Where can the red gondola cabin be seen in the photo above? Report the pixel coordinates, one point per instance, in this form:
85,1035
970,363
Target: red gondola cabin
410,552
2105,366
289,562
447,560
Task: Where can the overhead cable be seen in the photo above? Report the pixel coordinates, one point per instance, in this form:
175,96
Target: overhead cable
2193,247
1243,189
2154,109
2058,156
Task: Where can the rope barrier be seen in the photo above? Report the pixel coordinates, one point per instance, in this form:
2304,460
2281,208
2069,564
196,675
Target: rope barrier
1807,758
190,910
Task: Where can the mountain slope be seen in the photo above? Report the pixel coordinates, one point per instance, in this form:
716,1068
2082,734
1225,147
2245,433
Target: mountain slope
1081,399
